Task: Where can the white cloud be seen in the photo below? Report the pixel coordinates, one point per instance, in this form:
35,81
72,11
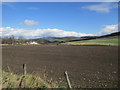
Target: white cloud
103,7
33,8
30,22
8,31
9,4
109,29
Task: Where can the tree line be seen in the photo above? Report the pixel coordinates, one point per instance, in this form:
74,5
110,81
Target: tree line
21,40
12,40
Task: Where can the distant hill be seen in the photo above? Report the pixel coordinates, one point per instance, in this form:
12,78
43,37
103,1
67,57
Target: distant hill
96,37
112,34
39,40
110,39
58,40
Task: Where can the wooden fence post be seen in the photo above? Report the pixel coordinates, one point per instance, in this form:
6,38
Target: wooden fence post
9,69
23,77
68,80
24,69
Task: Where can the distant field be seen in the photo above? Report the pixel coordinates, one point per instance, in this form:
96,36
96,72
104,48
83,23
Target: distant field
103,41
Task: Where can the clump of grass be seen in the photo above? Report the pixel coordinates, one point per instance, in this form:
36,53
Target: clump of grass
10,80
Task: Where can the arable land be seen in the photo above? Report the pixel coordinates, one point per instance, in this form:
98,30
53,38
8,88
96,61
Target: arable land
88,66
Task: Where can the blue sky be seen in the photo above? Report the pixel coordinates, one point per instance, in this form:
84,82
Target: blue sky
59,18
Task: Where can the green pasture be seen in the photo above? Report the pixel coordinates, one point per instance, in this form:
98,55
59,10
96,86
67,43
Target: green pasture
102,41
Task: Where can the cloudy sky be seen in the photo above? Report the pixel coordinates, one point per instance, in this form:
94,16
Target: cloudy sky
58,19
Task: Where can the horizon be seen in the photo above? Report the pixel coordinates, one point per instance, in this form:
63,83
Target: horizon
59,19
37,37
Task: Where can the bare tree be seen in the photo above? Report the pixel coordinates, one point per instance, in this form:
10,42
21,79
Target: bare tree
8,40
21,39
5,40
12,39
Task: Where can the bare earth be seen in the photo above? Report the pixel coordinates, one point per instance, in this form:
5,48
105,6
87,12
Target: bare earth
87,66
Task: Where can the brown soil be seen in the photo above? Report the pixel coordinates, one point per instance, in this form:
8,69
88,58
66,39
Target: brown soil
87,66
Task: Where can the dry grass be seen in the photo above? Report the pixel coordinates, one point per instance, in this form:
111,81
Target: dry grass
10,80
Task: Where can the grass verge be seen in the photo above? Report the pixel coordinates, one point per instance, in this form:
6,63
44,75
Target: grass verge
10,80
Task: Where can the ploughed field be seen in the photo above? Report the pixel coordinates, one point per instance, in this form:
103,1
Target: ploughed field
87,66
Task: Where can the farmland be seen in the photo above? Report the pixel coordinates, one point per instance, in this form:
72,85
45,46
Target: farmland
102,41
87,66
